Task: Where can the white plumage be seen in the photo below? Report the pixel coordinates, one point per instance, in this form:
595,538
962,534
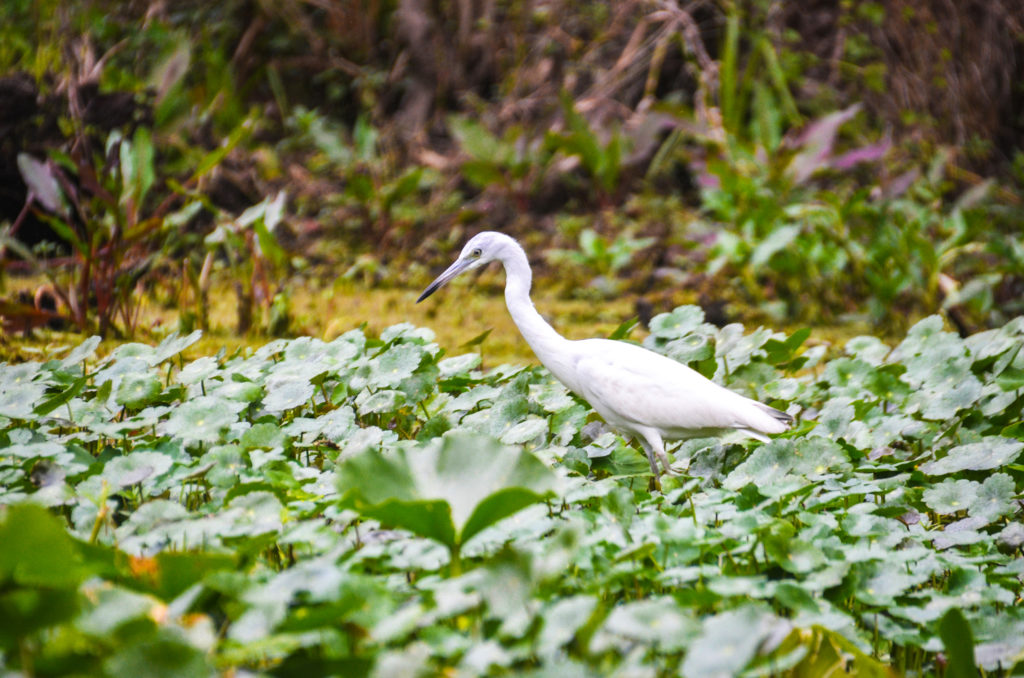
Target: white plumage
638,392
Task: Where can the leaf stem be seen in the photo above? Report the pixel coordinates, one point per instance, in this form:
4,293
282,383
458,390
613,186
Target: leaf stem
101,515
455,569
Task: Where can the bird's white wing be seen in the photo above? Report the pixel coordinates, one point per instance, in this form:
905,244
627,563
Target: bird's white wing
630,385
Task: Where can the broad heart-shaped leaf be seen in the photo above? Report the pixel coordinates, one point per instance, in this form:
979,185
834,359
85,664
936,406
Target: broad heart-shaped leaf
459,365
448,490
690,349
197,370
397,363
79,353
869,349
384,489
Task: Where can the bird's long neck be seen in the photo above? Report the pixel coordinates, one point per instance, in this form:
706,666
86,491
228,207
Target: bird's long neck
549,346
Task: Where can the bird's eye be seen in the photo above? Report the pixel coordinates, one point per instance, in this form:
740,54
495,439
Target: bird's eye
476,253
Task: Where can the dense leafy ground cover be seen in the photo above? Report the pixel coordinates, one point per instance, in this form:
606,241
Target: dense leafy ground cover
370,506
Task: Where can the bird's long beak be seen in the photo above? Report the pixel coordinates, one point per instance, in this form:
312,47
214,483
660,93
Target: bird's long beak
454,270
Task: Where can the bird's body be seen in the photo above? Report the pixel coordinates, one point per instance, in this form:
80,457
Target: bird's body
637,391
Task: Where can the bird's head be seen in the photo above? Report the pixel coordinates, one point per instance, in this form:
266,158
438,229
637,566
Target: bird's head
481,249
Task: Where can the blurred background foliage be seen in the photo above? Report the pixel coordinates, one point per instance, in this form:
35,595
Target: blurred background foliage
783,162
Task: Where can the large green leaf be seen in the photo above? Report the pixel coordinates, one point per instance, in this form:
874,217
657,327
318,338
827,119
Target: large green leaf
384,488
36,551
40,569
448,490
163,655
959,643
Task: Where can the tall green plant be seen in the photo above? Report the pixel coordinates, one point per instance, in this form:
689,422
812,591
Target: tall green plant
757,102
601,159
106,208
383,199
255,259
511,163
601,258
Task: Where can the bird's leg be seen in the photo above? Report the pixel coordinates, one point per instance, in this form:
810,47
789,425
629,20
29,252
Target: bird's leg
654,445
649,451
655,483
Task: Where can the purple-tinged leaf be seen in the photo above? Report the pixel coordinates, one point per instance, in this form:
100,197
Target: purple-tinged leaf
42,185
869,153
816,142
901,184
705,179
974,195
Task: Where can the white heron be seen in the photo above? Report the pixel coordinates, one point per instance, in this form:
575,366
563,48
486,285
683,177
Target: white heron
641,393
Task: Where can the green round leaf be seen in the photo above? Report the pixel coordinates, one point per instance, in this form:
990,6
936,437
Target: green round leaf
198,370
951,496
679,323
37,549
18,394
528,430
287,394
660,622
394,365
459,365
202,419
995,498
727,642
135,467
990,453
265,436
387,400
138,390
